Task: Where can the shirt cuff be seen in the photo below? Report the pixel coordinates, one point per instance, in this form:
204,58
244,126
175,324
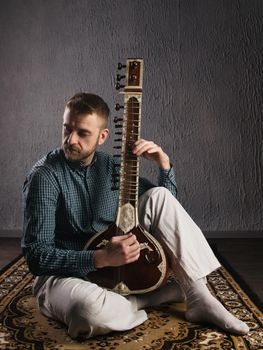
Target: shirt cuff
87,262
165,174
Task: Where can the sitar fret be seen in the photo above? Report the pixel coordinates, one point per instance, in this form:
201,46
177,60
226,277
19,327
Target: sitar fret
129,188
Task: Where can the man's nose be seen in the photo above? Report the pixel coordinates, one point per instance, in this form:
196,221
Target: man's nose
73,138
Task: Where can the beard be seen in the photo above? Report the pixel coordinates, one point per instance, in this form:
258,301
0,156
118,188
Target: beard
74,153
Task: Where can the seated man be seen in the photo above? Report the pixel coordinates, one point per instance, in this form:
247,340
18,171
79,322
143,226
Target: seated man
68,199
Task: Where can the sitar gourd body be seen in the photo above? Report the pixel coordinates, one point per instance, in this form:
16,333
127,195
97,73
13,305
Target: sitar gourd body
150,271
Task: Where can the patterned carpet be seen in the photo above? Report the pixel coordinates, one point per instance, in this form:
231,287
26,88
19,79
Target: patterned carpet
23,328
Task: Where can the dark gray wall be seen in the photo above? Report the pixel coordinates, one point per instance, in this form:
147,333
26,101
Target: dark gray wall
202,92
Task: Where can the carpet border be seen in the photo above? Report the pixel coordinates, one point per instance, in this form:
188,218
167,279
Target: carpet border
8,265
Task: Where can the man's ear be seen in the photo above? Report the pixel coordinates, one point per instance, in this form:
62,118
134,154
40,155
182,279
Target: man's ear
103,136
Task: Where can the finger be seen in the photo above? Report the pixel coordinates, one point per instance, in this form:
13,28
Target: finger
132,258
133,249
140,144
121,237
144,143
130,245
136,143
155,149
145,148
124,241
130,241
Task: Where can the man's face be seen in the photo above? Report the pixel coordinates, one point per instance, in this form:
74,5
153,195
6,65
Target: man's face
81,135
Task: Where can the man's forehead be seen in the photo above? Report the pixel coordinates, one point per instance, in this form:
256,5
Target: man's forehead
92,119
73,114
79,118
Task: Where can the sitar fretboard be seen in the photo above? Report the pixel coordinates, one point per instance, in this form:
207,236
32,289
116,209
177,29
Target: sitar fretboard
129,170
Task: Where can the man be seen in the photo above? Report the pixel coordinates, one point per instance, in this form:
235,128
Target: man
68,198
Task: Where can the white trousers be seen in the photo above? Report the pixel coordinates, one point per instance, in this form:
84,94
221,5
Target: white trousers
89,310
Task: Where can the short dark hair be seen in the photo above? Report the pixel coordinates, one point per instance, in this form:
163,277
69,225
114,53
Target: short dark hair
86,103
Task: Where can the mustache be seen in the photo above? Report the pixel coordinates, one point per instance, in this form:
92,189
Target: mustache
72,148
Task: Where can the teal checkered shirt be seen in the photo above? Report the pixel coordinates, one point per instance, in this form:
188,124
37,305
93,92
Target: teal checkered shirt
65,204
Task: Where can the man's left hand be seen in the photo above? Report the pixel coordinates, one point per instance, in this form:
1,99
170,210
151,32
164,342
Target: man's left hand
151,151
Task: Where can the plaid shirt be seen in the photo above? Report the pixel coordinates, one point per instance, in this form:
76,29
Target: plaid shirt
65,204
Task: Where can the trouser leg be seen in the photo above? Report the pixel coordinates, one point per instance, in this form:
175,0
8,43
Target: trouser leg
189,254
86,308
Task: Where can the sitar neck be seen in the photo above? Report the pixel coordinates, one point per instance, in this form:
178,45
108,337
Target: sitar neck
129,169
127,215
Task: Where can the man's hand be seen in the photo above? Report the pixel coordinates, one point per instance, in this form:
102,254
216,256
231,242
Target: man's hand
119,251
151,151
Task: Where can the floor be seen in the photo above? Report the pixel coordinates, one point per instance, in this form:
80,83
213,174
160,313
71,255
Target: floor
244,256
9,249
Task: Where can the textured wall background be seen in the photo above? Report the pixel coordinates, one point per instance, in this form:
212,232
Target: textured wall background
202,92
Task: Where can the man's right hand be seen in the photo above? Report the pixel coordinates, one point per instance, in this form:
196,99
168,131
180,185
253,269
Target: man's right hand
119,251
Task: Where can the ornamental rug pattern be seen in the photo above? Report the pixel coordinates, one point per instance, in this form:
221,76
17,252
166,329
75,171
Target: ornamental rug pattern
22,327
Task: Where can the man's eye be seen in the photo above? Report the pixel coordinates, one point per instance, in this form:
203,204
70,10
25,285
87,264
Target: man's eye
83,134
66,130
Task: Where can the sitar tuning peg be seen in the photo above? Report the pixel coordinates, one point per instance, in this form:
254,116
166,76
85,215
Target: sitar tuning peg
116,119
118,106
120,77
120,66
119,86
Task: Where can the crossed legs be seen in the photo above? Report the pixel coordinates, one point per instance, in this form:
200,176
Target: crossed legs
86,308
89,310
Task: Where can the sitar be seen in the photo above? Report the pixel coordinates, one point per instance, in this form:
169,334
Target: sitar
150,271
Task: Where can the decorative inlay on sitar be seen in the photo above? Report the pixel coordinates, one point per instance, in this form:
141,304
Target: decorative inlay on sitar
150,270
